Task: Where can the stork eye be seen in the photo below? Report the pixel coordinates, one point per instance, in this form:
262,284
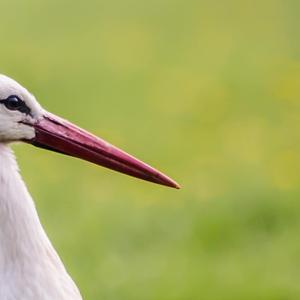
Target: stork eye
15,103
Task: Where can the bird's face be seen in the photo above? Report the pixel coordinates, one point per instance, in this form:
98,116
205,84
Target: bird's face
23,119
17,108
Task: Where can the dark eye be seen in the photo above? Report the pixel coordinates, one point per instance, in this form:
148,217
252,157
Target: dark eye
14,103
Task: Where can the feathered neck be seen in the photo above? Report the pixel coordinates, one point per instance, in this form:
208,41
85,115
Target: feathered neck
20,228
27,258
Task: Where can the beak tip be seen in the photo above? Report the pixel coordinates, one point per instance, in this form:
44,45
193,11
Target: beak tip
176,186
167,181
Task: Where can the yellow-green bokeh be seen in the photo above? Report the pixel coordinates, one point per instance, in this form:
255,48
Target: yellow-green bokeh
207,91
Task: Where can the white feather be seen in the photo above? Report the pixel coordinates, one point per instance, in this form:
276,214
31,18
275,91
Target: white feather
30,268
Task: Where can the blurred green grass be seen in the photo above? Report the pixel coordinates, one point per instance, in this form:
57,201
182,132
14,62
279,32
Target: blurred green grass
206,91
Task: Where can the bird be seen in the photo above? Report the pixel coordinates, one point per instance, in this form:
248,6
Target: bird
30,268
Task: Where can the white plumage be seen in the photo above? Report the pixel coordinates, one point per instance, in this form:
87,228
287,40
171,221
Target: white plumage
29,266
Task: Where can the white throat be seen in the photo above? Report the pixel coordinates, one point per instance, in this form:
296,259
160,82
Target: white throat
29,266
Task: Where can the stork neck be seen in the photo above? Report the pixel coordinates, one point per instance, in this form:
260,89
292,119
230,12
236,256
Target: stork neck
21,232
29,266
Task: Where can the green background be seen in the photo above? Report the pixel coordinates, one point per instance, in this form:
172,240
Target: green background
207,91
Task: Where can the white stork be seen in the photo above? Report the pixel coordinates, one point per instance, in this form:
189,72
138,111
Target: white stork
30,268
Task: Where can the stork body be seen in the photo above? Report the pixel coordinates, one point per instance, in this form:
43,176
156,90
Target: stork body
30,268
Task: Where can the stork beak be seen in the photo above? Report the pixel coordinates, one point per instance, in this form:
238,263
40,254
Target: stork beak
56,134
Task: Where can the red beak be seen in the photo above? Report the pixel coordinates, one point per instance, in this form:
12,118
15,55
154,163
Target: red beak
59,135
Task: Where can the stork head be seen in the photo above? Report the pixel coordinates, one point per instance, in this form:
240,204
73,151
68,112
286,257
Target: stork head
17,107
23,119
